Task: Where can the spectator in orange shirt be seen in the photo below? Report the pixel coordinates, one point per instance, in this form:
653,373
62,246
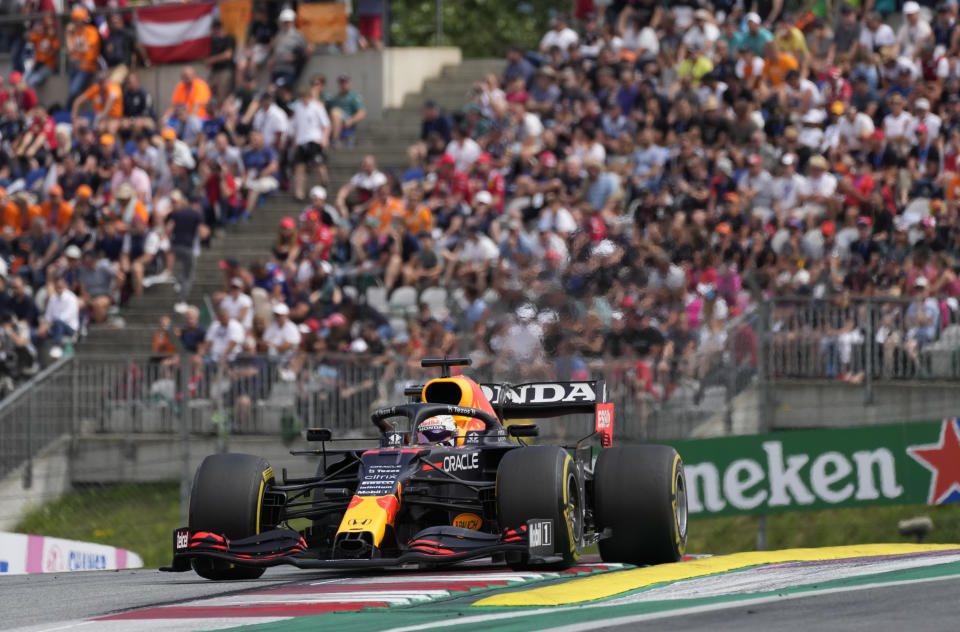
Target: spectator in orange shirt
383,209
191,92
83,47
126,206
46,45
9,216
416,215
106,99
56,210
777,64
24,211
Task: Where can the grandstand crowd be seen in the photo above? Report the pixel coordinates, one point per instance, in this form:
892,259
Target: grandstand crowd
621,192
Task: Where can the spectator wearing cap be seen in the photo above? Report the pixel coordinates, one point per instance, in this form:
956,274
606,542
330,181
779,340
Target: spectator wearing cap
24,96
56,211
126,206
818,194
192,93
483,177
914,31
46,46
129,173
923,115
282,335
290,50
238,303
922,150
346,110
83,49
261,167
755,37
310,129
223,49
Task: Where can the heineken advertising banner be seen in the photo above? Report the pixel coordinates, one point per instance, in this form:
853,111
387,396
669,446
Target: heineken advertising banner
902,464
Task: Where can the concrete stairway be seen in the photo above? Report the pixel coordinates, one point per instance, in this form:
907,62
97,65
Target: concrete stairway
387,139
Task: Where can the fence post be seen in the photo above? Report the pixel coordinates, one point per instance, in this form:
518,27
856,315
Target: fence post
185,474
869,342
764,347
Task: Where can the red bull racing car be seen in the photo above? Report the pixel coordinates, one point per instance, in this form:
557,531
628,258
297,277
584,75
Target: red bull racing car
448,482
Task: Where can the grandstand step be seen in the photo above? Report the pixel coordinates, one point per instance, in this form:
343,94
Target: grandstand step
479,67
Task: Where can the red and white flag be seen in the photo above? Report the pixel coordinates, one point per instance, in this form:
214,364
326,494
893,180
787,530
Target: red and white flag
175,32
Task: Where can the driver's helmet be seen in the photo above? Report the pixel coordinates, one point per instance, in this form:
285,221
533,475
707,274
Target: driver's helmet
440,429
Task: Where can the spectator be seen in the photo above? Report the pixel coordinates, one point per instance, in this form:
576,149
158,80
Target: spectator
120,47
61,318
346,110
282,336
290,51
46,46
105,98
223,49
370,21
435,122
185,228
97,278
137,107
192,93
83,48
261,169
224,339
311,136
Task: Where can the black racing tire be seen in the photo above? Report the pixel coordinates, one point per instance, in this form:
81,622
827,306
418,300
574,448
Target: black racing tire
640,494
227,499
542,482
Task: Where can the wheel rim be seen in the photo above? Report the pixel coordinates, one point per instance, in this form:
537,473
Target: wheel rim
681,506
573,510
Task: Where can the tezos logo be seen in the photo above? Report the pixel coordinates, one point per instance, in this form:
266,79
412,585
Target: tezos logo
461,462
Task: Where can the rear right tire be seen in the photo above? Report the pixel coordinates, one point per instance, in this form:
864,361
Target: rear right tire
640,495
227,499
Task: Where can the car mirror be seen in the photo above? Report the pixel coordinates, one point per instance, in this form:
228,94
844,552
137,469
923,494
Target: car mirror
524,430
319,434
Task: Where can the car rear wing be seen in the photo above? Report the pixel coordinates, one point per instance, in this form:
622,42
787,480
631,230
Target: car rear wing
537,400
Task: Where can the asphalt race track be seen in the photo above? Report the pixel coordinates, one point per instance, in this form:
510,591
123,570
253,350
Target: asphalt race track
875,587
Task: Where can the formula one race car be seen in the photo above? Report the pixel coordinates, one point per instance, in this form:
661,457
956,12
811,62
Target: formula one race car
454,484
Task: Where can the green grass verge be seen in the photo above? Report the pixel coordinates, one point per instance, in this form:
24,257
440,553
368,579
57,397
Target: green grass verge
830,527
140,518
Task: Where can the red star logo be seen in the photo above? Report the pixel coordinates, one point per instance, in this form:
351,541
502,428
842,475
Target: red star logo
943,460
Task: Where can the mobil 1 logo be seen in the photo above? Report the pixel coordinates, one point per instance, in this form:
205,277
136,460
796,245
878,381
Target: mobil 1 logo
540,533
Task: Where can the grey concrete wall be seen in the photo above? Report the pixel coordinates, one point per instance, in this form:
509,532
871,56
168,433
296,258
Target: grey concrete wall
49,478
800,404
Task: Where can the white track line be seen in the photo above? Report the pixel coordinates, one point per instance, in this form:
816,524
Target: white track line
602,623
764,579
